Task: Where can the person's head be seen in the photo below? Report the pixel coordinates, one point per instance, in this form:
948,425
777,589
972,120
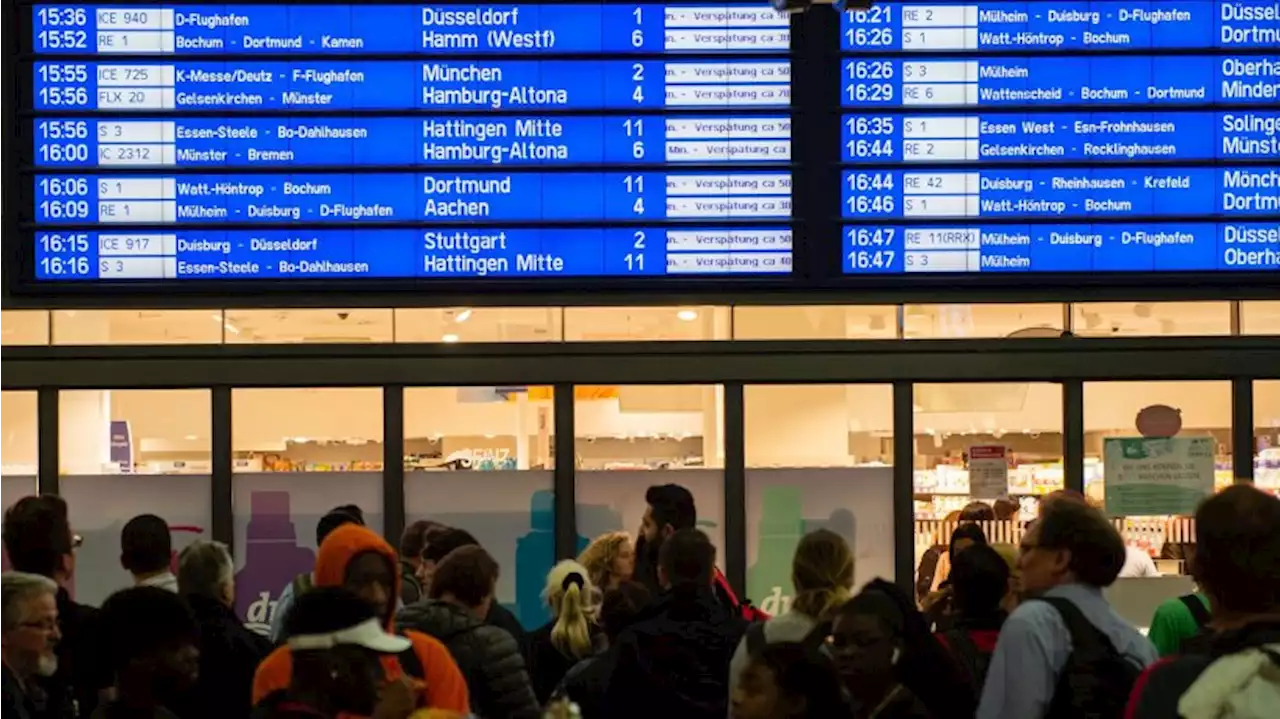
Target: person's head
610,559
1071,542
467,577
822,573
38,538
440,543
670,509
414,539
30,624
205,570
1237,561
152,637
964,537
620,607
788,680
977,512
979,582
336,641
360,560
145,545
687,559
1061,495
867,641
1006,509
335,518
571,597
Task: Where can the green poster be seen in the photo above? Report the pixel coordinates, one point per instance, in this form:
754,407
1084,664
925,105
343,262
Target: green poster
1149,476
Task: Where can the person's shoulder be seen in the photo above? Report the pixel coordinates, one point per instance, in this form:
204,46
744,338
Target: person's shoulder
496,639
1033,612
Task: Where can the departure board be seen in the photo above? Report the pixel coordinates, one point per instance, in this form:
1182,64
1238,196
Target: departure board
451,141
1058,136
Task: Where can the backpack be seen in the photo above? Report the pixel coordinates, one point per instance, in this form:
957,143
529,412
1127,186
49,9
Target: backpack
1096,681
410,662
744,608
972,660
1241,685
1198,611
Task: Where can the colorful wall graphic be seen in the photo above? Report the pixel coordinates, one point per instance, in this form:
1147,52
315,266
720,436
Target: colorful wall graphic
511,513
275,529
785,504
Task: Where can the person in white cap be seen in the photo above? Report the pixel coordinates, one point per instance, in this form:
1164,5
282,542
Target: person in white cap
336,643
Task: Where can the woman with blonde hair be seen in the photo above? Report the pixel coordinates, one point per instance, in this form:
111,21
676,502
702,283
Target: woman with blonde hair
570,636
822,574
610,560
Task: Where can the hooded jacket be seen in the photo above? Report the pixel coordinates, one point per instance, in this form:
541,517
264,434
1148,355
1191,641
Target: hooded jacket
487,655
444,686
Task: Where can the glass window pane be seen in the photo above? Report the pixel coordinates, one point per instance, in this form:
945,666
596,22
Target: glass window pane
134,327
481,458
123,453
995,443
18,463
480,324
1151,319
816,322
986,320
1156,520
629,438
646,324
297,454
336,326
1266,434
818,456
1260,318
24,327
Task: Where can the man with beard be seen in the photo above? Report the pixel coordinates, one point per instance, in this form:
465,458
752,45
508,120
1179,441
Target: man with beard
152,637
671,509
30,635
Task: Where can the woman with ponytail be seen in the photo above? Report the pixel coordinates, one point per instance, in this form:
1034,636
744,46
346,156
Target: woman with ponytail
822,575
571,634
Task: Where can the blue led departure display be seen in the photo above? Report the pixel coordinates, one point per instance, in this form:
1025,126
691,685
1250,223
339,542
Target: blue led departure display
1053,136
294,141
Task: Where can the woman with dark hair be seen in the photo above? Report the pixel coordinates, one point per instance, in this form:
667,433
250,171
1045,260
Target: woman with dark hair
937,606
891,664
789,680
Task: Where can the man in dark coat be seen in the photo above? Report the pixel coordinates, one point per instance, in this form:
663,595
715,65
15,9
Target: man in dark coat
462,590
674,660
38,539
229,653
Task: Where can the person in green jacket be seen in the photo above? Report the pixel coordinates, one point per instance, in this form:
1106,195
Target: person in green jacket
1177,620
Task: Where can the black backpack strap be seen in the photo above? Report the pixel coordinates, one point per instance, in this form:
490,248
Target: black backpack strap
818,636
756,640
1086,639
410,662
1198,611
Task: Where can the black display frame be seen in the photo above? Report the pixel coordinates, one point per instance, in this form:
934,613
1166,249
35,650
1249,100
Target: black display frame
818,229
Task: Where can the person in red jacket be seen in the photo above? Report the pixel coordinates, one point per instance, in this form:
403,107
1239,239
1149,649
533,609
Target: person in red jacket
359,560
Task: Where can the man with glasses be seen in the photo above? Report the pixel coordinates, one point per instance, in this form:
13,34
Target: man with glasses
30,611
38,539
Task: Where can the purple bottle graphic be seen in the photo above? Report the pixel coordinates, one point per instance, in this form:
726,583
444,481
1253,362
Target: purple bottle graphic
272,558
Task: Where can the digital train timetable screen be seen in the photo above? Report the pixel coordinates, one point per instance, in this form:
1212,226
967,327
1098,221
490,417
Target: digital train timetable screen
1059,136
302,141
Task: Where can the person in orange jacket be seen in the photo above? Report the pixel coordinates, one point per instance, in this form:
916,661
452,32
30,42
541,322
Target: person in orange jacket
356,558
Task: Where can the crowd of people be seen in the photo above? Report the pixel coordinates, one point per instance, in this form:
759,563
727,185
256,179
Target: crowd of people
648,629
